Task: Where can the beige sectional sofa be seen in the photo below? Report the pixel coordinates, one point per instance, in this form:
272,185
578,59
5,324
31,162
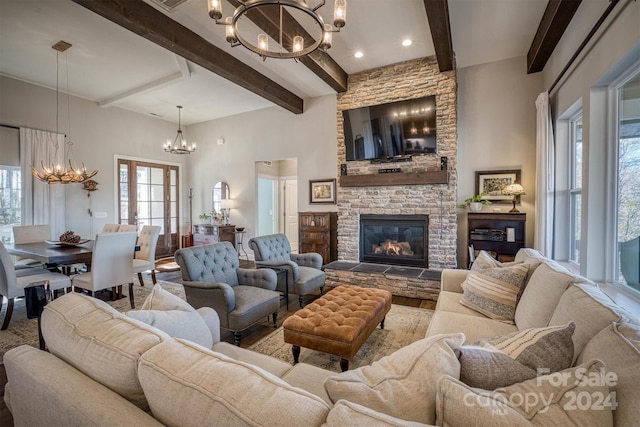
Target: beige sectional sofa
105,368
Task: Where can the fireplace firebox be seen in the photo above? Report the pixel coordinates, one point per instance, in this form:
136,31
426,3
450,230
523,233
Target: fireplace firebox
395,239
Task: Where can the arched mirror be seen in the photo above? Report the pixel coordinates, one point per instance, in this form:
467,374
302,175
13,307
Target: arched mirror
220,191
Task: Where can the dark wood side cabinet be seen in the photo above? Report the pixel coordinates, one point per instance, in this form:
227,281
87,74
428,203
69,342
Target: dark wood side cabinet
491,232
318,232
204,234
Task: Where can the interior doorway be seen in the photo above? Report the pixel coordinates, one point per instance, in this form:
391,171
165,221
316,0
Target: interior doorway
277,199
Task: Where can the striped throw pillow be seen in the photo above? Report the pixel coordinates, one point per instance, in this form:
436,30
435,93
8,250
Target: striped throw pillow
494,292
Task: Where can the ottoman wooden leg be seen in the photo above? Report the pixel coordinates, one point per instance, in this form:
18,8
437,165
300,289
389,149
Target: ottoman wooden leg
344,365
295,350
382,323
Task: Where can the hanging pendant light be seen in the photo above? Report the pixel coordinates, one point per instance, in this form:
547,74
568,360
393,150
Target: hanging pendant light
55,173
179,145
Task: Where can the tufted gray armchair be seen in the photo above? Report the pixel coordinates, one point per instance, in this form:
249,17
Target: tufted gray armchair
304,270
212,278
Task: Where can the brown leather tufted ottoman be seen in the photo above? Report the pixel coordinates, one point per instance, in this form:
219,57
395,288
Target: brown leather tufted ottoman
338,323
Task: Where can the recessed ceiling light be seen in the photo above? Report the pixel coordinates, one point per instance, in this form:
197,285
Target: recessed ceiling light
407,42
358,54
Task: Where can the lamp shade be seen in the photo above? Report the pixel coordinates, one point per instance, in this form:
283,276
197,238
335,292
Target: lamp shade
514,190
226,204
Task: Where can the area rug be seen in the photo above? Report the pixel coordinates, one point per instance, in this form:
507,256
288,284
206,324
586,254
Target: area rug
25,331
403,325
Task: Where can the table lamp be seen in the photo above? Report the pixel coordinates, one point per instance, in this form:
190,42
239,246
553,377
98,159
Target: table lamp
225,206
514,190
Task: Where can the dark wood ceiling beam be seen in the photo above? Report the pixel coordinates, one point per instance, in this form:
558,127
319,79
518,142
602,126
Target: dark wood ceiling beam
554,22
438,17
144,20
319,62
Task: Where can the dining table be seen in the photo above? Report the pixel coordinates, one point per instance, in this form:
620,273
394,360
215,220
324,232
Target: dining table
54,254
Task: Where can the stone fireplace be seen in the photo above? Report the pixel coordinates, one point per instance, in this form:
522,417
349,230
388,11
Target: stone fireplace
386,193
395,239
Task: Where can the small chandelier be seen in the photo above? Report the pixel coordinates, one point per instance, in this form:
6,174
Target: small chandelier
288,44
59,173
179,145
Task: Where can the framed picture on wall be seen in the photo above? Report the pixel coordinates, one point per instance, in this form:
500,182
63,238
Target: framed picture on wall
493,182
322,191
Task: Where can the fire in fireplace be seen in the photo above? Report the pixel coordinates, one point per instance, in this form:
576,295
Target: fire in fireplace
394,239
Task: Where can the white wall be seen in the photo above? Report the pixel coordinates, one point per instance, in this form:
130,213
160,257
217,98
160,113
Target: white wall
98,134
268,134
496,131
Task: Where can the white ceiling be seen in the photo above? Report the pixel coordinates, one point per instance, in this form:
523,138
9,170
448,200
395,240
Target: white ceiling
116,68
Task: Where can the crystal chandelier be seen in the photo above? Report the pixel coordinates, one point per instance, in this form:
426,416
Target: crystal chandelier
293,18
179,145
59,173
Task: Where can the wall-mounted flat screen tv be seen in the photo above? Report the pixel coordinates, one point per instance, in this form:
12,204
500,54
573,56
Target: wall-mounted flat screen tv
394,129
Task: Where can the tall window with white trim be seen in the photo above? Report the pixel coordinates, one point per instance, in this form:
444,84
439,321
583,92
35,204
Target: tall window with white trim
628,182
575,187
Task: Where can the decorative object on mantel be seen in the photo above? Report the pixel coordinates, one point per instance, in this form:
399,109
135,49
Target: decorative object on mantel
322,191
408,178
494,182
179,145
514,190
289,23
57,173
475,203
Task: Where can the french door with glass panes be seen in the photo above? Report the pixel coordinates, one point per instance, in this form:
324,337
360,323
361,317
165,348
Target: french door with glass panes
148,195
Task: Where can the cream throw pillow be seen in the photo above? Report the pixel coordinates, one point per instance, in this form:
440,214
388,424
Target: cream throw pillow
573,397
174,316
494,292
401,384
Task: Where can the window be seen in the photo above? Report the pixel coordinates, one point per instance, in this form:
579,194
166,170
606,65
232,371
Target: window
575,187
9,201
628,182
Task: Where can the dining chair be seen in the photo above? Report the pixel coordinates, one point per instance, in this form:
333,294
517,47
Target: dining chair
30,234
13,282
110,228
145,258
111,264
127,228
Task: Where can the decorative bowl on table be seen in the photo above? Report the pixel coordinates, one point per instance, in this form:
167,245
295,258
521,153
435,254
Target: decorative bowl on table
240,229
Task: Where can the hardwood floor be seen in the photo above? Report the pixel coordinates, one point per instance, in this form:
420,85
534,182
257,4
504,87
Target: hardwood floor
249,336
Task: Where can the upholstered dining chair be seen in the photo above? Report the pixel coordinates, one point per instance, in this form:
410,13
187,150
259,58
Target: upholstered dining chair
110,228
212,278
13,282
127,228
30,234
111,264
145,258
304,270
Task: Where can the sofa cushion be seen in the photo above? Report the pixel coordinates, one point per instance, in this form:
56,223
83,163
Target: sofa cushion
270,364
189,385
510,359
346,413
401,384
309,378
618,346
573,397
173,315
494,291
591,310
541,295
450,301
474,328
100,342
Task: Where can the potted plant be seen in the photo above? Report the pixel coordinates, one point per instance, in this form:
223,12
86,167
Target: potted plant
205,217
475,203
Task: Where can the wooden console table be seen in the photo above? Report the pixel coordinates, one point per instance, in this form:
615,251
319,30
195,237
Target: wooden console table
205,234
504,249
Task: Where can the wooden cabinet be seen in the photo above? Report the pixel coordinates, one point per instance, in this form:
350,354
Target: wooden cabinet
204,234
317,232
501,234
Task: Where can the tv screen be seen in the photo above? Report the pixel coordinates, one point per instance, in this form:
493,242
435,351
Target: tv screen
393,129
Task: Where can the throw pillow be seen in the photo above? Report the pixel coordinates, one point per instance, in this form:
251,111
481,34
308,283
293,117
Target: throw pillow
576,396
516,357
174,316
346,413
494,292
401,384
484,260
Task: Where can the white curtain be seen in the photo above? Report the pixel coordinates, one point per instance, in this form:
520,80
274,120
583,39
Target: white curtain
42,203
545,159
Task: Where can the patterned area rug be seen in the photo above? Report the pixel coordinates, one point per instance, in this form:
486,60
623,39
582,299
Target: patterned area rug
403,325
25,331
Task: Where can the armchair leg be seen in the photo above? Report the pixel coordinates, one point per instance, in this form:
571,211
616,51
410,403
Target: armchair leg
236,338
321,290
131,301
275,319
300,300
